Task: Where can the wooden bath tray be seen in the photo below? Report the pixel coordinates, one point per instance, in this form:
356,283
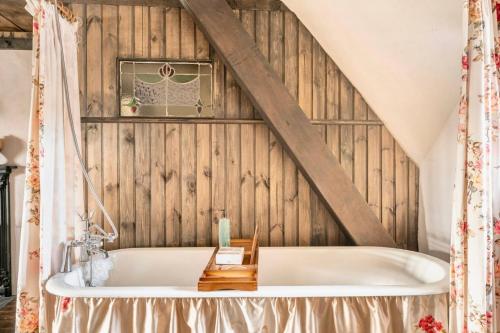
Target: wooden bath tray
233,277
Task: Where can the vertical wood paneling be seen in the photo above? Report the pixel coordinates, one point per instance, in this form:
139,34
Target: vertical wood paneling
203,161
126,142
233,151
202,47
247,180
346,131
275,150
141,32
305,70
218,137
125,40
109,54
319,213
172,25
94,60
332,89
347,149
80,11
276,191
333,232
110,176
142,185
412,238
188,186
233,181
248,22
262,184
305,102
172,184
319,82
401,196
290,194
157,28
388,209
247,147
318,210
374,167
346,107
203,183
94,168
142,141
262,38
172,142
157,139
218,178
127,188
94,105
158,178
218,88
360,146
187,36
168,184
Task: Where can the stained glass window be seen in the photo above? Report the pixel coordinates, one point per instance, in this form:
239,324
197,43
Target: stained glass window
165,89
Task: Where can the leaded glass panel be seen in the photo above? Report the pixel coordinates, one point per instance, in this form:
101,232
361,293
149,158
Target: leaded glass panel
165,89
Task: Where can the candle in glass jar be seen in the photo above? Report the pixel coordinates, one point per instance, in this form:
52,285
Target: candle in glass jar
224,232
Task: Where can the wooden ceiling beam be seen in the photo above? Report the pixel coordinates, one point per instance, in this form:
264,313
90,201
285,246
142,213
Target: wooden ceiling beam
13,16
235,4
287,121
16,41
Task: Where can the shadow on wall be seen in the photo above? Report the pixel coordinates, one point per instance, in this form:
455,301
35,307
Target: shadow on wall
440,252
437,173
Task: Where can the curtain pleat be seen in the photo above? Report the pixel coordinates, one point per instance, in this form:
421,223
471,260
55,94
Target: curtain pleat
53,193
476,207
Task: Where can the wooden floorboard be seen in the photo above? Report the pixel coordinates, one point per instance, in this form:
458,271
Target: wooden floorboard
8,317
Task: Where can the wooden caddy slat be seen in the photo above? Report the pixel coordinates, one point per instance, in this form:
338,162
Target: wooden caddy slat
233,277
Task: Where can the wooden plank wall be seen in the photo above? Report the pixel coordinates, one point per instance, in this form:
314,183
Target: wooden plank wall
167,182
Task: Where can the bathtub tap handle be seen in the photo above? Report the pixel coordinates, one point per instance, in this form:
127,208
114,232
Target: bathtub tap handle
66,259
68,255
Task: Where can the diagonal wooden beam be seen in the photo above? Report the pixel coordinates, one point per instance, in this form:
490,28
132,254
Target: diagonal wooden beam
287,121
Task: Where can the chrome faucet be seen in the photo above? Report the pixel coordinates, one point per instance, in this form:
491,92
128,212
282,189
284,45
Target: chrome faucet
90,244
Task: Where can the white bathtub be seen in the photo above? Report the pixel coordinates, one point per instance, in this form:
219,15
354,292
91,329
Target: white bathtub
283,272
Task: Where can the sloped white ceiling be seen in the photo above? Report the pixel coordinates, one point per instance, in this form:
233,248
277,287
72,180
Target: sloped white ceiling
402,55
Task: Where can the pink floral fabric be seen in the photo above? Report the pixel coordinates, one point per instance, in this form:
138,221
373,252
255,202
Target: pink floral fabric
53,192
475,250
429,324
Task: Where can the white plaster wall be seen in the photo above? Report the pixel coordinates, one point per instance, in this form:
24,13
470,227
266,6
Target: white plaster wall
437,175
403,56
15,94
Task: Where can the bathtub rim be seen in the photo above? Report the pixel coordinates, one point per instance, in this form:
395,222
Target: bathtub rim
56,285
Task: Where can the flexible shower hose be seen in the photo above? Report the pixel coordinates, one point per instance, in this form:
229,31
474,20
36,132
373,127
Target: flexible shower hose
110,237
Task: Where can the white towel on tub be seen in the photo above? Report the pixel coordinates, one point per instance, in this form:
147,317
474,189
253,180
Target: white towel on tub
100,272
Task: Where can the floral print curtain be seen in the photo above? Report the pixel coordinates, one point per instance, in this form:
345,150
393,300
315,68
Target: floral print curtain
475,248
53,193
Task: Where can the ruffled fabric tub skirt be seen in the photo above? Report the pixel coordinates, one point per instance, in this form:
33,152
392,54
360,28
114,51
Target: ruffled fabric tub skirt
377,314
